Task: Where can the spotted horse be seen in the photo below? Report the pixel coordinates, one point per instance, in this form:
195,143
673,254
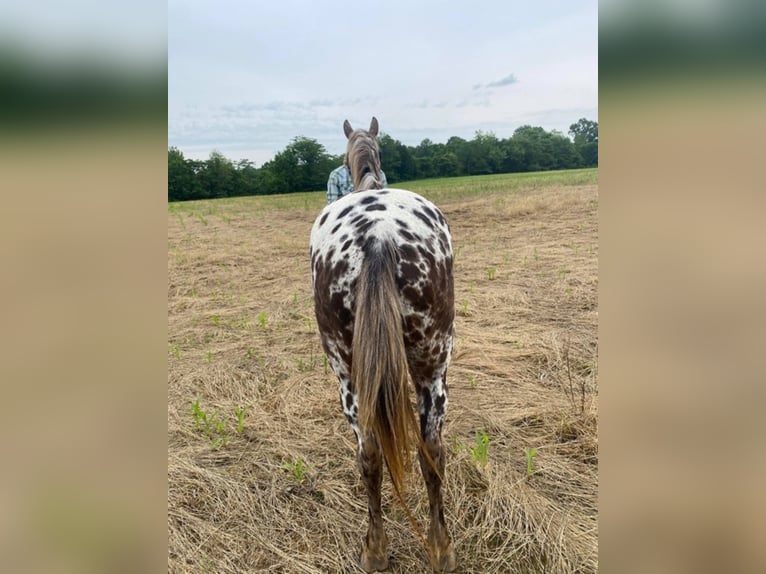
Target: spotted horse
384,301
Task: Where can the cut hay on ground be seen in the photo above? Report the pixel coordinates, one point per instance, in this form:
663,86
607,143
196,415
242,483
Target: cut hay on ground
242,334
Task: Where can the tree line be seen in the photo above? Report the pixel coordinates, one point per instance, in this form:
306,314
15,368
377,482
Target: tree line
304,165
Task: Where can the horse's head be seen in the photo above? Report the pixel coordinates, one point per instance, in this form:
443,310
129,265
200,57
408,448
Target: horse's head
363,156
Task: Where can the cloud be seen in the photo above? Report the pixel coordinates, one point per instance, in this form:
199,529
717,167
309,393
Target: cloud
478,102
248,109
507,81
426,104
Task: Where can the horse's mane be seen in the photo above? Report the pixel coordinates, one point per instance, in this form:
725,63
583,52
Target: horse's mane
363,160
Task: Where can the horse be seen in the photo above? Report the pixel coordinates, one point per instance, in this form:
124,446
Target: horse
383,285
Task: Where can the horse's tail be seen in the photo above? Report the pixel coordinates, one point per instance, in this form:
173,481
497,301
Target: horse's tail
379,363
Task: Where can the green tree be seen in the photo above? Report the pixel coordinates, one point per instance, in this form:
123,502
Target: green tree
280,174
486,153
250,180
585,130
459,147
424,167
218,177
390,162
513,156
302,166
447,164
537,147
313,163
564,153
407,167
585,134
182,181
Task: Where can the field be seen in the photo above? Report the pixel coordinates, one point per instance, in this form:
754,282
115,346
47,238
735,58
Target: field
262,474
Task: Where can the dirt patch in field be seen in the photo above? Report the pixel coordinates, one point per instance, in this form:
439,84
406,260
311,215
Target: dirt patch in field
277,489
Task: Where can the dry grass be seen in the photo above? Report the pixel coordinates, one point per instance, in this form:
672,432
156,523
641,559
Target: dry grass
241,333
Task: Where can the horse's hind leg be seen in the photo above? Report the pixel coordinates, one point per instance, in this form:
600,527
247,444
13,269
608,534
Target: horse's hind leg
375,546
432,406
370,458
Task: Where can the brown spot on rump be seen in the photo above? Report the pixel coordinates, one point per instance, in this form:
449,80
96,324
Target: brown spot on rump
443,307
412,326
408,253
428,256
415,298
406,235
375,207
321,281
409,271
338,270
424,218
363,225
343,316
414,322
413,337
429,212
421,365
428,292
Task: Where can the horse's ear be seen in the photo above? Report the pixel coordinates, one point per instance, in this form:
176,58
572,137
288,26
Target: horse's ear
374,126
347,128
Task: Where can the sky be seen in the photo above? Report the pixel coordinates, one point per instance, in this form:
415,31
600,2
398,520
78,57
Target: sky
246,77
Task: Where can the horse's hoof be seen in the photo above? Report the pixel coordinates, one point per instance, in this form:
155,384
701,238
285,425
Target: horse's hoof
373,563
446,560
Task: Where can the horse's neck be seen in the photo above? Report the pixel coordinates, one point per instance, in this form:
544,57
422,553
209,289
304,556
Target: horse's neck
370,181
